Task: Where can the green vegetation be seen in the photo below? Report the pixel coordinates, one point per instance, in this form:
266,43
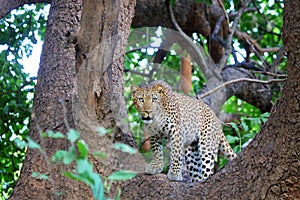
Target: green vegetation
78,153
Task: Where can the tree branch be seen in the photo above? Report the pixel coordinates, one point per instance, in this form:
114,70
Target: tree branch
240,80
193,50
229,38
7,5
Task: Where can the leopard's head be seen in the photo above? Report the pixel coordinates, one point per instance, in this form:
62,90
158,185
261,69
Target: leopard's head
148,101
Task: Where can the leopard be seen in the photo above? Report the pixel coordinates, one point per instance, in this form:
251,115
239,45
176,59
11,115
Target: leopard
192,128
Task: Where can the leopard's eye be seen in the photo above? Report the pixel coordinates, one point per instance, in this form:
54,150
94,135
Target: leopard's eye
154,99
141,99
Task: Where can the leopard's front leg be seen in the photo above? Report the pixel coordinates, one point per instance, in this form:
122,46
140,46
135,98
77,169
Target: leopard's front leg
157,163
177,151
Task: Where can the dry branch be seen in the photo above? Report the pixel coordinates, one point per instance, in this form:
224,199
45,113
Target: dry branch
193,50
230,36
239,80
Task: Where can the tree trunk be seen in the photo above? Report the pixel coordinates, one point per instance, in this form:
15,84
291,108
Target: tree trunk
53,91
83,94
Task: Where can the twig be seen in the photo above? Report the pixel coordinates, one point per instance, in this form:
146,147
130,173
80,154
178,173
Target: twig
265,63
233,14
244,37
215,35
239,80
224,11
276,62
138,73
194,51
229,38
269,73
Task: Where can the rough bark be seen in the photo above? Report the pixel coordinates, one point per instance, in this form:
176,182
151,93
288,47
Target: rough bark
98,95
90,88
53,91
269,167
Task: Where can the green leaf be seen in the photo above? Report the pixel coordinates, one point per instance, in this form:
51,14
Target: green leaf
237,149
244,126
249,135
232,139
266,115
58,156
125,148
20,143
234,126
97,188
122,175
57,135
100,154
39,176
72,176
69,156
73,135
102,131
82,148
32,144
83,165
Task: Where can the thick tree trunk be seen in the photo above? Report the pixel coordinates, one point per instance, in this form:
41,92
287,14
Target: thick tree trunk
98,98
269,168
90,88
53,91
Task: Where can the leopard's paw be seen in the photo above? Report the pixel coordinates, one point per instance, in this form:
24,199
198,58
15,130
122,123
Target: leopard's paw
153,168
175,175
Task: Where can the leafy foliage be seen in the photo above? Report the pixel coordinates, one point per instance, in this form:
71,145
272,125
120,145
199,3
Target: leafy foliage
78,153
19,30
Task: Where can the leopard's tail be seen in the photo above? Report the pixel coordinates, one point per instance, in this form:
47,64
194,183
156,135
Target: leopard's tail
225,148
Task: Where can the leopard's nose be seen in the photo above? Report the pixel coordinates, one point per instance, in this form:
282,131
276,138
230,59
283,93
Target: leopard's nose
148,111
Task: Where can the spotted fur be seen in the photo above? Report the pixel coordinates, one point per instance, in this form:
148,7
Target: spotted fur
191,126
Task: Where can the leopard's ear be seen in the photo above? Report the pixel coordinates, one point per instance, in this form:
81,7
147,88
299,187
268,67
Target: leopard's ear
160,88
133,89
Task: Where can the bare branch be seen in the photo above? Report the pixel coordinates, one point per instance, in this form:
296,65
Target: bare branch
216,30
139,73
277,61
265,63
229,38
240,80
244,37
233,14
270,74
193,50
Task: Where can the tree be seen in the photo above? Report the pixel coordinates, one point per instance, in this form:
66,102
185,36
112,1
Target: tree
76,89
